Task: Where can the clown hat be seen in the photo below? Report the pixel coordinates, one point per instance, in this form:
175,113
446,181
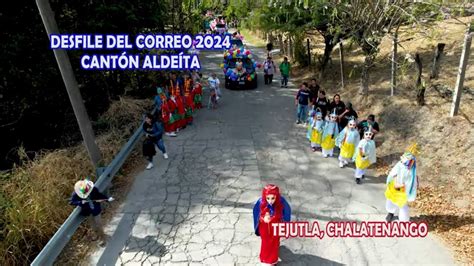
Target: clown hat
318,112
410,153
369,129
83,188
334,112
413,149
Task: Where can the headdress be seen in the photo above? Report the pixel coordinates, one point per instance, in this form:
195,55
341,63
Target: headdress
409,160
409,157
159,90
270,189
318,112
83,188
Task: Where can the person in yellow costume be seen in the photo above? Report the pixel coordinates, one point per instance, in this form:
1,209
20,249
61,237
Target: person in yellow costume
316,134
347,141
402,183
330,132
364,155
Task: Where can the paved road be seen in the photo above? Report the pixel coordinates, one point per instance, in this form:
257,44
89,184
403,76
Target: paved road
195,207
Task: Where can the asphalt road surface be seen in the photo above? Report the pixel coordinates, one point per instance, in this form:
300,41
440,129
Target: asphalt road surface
196,207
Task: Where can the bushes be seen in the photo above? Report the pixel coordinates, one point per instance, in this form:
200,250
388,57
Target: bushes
34,197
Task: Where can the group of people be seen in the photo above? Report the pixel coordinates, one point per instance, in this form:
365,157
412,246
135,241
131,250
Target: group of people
269,69
176,100
335,124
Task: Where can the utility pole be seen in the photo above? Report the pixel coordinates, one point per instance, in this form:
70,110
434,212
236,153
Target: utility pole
309,51
462,70
393,84
72,88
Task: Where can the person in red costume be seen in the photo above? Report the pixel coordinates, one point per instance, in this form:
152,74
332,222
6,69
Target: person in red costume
197,95
188,99
165,113
180,110
172,109
270,208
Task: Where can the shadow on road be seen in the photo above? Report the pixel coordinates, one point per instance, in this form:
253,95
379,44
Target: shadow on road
148,245
290,258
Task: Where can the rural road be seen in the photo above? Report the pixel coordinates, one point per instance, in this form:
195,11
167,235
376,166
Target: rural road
196,207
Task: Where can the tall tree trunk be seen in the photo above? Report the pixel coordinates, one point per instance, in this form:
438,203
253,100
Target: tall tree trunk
290,48
341,61
364,78
281,44
436,61
420,94
271,38
328,47
394,63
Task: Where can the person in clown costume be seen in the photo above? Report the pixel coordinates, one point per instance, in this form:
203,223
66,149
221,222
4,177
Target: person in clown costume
330,132
311,119
270,208
402,184
188,100
347,141
364,155
88,197
317,127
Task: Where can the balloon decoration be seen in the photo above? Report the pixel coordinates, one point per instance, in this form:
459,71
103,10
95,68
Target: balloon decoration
239,71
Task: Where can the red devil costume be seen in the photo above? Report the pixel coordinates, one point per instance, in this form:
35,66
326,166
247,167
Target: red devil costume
197,95
166,113
172,109
278,212
179,112
189,101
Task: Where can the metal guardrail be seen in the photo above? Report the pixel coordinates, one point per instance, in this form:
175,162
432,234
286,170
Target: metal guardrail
56,244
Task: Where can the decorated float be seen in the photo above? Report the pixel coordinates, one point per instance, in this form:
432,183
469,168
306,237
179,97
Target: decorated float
239,68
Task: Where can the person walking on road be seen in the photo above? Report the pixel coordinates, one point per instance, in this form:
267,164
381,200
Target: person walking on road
301,102
402,184
330,132
347,141
269,209
364,155
285,69
154,137
269,69
213,83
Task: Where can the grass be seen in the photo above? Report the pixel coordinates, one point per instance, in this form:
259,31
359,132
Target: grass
34,196
251,37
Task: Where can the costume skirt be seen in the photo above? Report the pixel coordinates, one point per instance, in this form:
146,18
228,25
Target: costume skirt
398,197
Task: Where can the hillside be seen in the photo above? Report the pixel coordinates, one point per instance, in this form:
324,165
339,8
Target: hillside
446,168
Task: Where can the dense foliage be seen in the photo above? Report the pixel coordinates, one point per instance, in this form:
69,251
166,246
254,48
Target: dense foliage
36,112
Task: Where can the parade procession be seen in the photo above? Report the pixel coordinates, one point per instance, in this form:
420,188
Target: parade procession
217,132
